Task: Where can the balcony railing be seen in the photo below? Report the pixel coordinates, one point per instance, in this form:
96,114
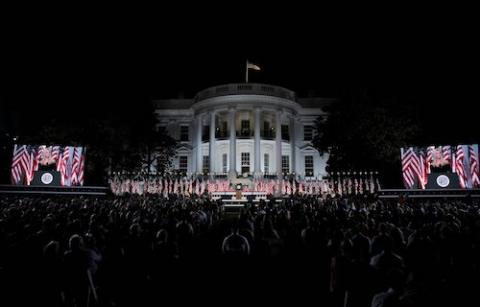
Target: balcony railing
245,89
246,134
268,135
222,135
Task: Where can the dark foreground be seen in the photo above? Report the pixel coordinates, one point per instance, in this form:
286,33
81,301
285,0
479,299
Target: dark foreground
153,252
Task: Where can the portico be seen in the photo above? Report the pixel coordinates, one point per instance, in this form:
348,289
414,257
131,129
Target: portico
249,130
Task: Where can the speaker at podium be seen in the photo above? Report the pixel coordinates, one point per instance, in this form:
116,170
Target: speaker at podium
443,180
46,178
238,191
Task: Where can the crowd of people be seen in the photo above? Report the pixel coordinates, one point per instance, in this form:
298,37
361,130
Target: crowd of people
338,251
342,184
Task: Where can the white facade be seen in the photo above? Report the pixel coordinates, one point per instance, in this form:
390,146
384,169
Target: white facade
244,129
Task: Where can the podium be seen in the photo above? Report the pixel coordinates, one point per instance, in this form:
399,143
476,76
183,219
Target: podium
443,180
46,178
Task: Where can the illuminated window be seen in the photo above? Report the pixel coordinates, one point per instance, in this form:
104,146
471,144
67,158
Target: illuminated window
224,163
245,162
206,164
307,133
266,163
184,133
285,164
183,164
245,130
309,166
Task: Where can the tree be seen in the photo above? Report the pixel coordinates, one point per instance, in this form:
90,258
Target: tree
125,139
365,130
155,146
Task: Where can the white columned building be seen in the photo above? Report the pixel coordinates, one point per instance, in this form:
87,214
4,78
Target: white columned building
245,129
278,143
198,143
211,151
232,143
258,167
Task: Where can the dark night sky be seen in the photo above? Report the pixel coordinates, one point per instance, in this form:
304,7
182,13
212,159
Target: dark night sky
49,66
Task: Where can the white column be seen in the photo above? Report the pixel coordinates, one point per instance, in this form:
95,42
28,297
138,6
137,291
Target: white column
199,143
278,143
232,172
212,143
192,135
258,169
292,145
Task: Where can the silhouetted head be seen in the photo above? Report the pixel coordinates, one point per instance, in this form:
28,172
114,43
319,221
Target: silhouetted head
75,242
47,224
162,236
135,229
51,250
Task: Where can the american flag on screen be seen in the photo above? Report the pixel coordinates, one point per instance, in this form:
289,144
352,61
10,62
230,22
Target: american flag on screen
20,162
460,166
27,159
474,167
410,167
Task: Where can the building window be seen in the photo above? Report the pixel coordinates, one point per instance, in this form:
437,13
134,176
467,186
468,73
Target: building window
206,164
266,163
245,162
245,128
183,164
245,159
309,166
307,133
224,163
267,130
266,126
184,133
285,165
222,131
285,133
205,133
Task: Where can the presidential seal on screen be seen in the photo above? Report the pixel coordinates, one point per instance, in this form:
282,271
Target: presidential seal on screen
443,181
47,178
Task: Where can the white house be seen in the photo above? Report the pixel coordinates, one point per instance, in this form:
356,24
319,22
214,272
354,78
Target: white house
244,129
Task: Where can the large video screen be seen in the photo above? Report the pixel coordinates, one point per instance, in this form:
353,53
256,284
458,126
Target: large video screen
65,163
440,167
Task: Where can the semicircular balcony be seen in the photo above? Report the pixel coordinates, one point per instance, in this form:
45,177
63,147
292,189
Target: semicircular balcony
244,122
245,89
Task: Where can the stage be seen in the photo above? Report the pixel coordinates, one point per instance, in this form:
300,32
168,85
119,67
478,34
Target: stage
429,193
229,199
50,190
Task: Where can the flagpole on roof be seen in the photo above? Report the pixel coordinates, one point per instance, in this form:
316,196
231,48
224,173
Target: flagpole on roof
250,66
